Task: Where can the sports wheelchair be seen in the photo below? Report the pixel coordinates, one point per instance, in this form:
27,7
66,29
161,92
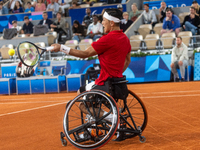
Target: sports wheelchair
92,130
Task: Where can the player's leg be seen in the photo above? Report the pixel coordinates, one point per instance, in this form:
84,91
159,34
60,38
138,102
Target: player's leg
83,106
90,132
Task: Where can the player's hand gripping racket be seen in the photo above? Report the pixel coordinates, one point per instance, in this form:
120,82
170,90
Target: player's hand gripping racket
29,53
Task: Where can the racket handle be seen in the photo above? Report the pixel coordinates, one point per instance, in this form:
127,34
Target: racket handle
49,48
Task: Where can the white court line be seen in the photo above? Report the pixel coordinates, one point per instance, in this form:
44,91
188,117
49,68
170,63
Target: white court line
171,92
74,96
172,96
30,102
25,110
38,98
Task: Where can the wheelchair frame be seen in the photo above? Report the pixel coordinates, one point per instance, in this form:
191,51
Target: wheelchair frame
128,131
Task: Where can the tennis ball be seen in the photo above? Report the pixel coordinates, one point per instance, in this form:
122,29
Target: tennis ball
11,52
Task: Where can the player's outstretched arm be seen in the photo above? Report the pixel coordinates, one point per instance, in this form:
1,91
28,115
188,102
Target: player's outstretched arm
74,52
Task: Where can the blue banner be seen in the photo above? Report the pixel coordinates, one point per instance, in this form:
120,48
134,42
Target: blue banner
170,3
45,63
6,20
78,14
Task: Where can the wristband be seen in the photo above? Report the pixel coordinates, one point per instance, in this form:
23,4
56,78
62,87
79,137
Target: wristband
64,48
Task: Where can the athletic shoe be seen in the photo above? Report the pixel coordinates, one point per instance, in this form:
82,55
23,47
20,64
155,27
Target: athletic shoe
182,79
176,79
92,132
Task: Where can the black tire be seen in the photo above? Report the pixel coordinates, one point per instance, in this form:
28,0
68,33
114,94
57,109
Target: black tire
77,124
136,108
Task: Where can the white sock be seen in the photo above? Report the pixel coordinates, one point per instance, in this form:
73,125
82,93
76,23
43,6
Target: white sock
109,117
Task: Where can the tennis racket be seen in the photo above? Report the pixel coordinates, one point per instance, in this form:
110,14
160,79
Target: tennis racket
29,53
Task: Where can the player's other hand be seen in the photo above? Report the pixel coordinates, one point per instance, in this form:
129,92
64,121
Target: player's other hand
56,47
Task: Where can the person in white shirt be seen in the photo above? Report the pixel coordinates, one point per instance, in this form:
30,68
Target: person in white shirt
14,23
95,29
12,3
149,16
64,4
179,58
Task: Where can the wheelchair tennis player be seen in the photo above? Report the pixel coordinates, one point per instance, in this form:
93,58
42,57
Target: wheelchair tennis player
113,50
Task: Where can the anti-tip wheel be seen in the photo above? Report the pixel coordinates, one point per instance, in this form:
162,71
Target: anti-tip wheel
64,142
142,139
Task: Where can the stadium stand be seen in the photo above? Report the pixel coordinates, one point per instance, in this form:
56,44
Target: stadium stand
182,16
84,5
72,44
97,4
186,37
85,43
145,29
4,51
168,40
158,28
151,41
136,42
52,37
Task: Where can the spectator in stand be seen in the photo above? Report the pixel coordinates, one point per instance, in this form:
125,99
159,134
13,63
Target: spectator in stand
64,4
27,27
30,8
40,6
59,26
95,29
18,8
12,3
149,16
3,9
53,7
163,8
179,58
14,23
125,23
191,22
120,7
196,6
90,2
171,23
87,20
45,20
78,31
134,14
48,2
74,5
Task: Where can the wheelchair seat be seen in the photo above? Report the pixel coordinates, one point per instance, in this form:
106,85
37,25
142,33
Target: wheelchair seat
118,88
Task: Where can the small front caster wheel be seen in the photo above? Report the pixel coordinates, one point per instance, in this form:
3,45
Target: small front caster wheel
142,139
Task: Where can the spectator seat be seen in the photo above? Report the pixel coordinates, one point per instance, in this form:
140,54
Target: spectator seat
84,5
182,16
135,41
72,43
186,37
97,4
167,40
145,29
158,27
85,43
151,41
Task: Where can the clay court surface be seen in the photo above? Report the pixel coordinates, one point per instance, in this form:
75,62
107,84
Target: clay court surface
33,122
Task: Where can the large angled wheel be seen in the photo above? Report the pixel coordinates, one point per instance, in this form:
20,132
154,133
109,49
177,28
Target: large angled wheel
91,130
137,111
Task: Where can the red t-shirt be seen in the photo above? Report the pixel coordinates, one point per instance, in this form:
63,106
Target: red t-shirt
112,50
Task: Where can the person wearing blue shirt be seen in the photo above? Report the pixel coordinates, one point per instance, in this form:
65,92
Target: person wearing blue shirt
29,9
171,23
3,10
